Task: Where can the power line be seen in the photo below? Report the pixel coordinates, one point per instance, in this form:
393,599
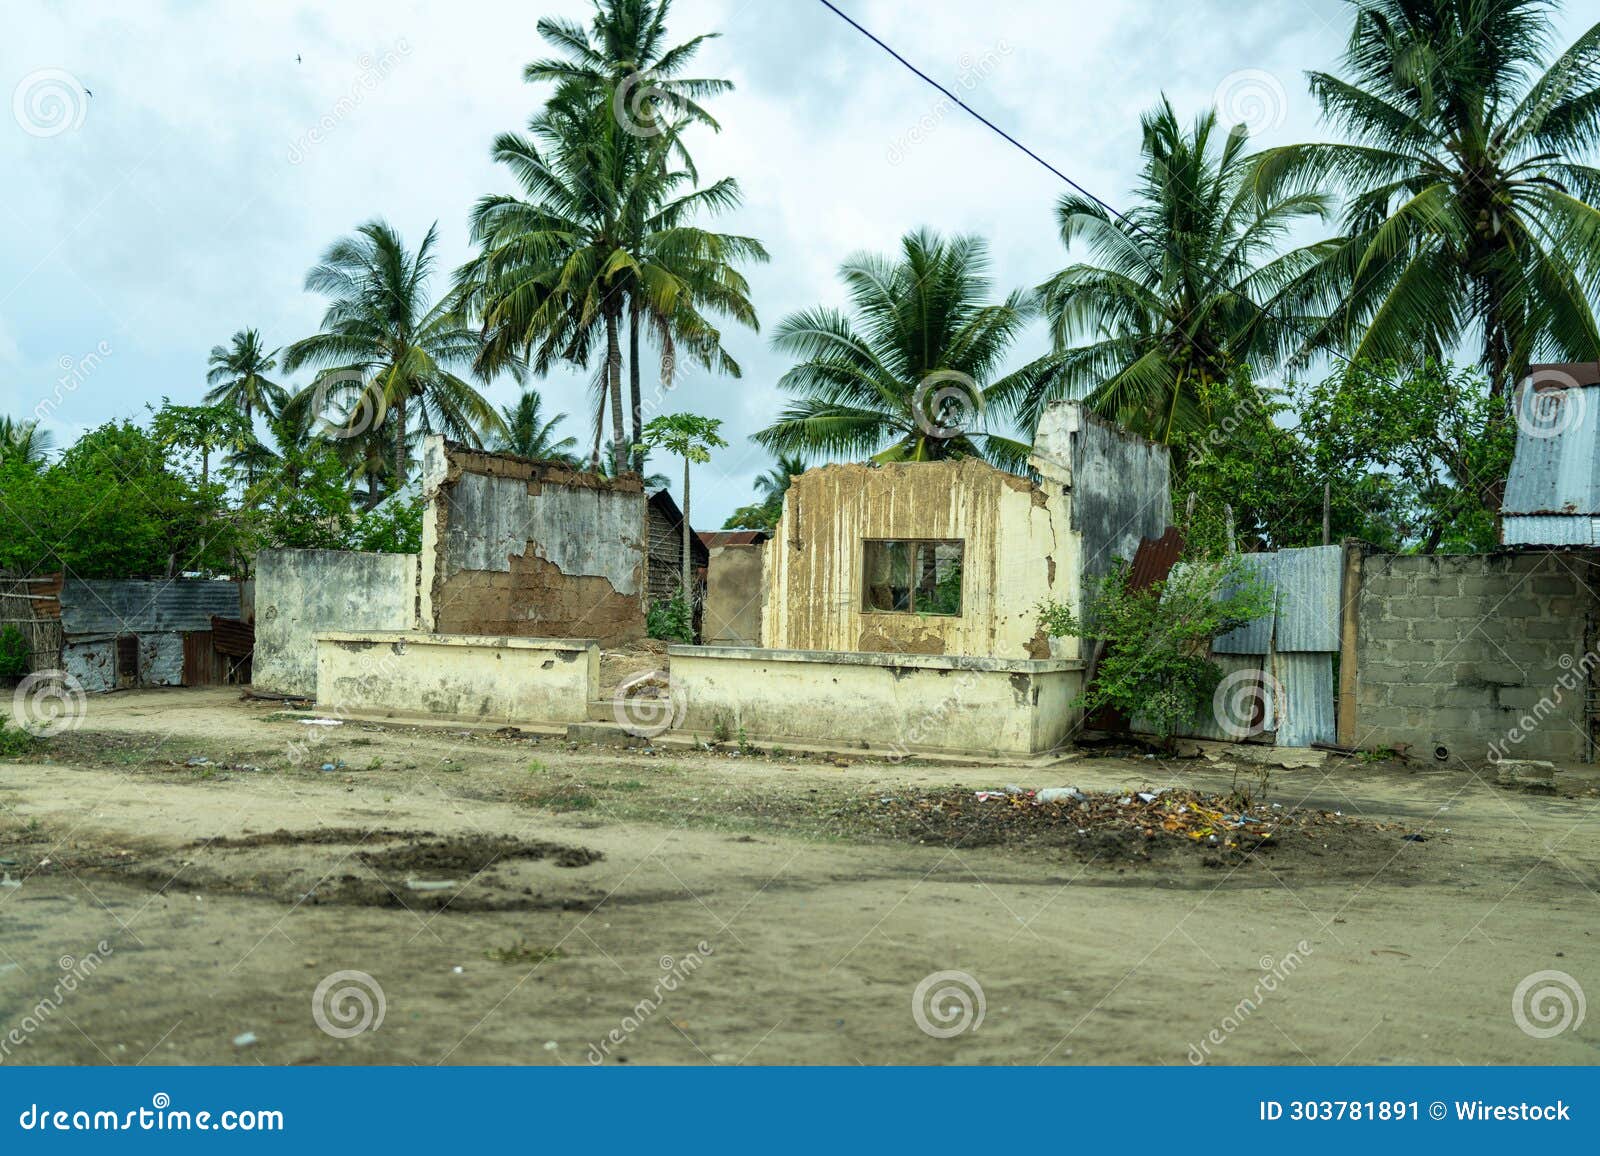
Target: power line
1015,143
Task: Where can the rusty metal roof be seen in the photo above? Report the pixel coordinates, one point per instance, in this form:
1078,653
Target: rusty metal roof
1555,472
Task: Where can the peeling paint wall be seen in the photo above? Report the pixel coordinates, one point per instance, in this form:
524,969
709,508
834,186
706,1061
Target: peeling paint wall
1100,491
734,591
93,661
299,592
466,677
1018,549
872,702
530,549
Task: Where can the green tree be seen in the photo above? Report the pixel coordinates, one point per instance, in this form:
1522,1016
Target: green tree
530,434
111,507
692,438
388,352
1177,293
1470,208
201,429
909,374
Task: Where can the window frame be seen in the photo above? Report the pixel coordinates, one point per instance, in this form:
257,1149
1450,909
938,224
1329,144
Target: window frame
916,545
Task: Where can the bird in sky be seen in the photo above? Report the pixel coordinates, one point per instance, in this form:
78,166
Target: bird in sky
297,58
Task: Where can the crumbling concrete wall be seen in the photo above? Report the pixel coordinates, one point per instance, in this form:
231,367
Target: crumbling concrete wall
530,549
1100,491
301,592
891,705
1017,549
466,677
734,590
1482,655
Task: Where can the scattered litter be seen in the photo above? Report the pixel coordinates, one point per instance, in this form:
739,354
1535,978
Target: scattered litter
198,761
458,969
1414,839
244,767
245,1040
1060,795
336,765
1150,796
7,882
320,722
424,885
551,1045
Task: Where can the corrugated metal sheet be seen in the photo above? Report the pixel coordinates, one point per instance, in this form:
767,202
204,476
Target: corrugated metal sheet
1550,530
1254,637
136,606
1555,472
1305,683
1307,581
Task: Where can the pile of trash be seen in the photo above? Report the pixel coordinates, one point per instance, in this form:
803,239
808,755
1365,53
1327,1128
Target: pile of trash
1207,819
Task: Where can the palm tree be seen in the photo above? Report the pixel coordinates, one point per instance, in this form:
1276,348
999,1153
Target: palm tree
1472,216
604,238
909,374
389,352
529,434
238,374
23,441
774,484
1180,290
600,233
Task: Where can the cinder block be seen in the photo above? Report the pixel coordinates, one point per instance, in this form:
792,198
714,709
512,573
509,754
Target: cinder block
1439,629
1386,629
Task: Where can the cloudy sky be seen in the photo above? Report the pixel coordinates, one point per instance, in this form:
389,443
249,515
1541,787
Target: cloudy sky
188,195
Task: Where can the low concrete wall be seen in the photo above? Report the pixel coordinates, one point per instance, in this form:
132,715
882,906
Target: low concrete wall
885,703
1483,655
467,677
301,592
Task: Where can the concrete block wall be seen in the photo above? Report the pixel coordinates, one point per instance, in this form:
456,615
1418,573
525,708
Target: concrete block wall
1470,653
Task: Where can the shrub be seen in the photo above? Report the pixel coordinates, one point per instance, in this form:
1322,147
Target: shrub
14,653
670,619
1155,664
15,741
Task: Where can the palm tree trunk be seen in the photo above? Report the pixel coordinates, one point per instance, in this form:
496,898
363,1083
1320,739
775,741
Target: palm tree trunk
619,445
599,431
399,443
637,455
688,591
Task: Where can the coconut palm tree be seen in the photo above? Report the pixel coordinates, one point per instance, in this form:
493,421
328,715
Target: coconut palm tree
238,374
530,434
388,352
774,484
624,57
1183,288
910,372
1471,217
598,235
23,441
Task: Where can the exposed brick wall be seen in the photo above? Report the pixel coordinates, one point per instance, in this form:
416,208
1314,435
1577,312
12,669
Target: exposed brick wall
1464,651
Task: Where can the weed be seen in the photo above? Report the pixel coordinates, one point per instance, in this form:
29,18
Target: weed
522,952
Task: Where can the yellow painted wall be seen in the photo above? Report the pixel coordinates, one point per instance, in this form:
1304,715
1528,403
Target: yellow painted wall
1019,549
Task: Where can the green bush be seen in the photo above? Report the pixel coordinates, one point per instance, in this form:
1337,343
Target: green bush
670,619
14,653
1156,663
15,741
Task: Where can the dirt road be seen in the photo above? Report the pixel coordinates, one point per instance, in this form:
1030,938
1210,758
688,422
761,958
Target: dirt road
502,900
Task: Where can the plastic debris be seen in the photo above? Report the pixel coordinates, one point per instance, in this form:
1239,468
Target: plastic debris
1060,795
321,722
245,1040
198,761
427,885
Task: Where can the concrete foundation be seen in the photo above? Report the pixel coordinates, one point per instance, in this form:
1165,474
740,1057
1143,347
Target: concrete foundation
890,704
470,678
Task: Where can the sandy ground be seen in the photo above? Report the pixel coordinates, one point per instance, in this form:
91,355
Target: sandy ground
520,902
